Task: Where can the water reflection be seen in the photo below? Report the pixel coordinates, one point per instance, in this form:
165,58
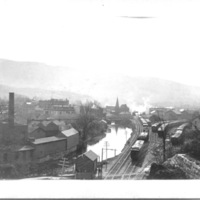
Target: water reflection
115,140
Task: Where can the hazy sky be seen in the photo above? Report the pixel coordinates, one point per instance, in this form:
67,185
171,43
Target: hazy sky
104,35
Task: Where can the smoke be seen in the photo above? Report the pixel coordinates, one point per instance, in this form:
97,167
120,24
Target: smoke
144,107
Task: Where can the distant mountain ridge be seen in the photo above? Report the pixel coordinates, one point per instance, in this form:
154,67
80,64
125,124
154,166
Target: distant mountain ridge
62,82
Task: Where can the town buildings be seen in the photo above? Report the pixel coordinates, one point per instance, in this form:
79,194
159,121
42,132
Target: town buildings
20,148
117,111
169,114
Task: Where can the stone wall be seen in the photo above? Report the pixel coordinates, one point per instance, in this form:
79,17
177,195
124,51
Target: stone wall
187,164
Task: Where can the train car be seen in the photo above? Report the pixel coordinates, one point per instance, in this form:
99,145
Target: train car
155,127
144,136
145,127
183,126
161,129
148,122
135,149
177,138
170,125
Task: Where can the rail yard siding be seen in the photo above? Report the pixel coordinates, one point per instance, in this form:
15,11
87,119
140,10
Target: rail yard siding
189,165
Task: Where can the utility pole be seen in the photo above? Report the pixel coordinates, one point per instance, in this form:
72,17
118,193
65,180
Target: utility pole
106,148
106,153
102,155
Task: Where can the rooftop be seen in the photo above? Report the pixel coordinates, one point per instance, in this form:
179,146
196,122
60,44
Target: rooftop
47,140
25,148
70,132
91,155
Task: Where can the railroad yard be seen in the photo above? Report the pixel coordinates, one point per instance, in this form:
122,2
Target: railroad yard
122,167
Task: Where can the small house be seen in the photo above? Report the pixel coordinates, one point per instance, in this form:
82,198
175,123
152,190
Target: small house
86,165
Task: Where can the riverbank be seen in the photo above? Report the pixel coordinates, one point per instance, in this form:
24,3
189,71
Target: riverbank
95,139
111,161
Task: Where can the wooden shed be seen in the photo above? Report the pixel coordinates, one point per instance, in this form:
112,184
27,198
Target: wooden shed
72,136
86,165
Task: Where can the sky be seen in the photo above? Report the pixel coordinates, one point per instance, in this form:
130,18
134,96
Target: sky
106,36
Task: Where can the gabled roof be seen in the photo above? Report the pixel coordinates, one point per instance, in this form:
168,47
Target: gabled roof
25,148
47,140
91,155
70,132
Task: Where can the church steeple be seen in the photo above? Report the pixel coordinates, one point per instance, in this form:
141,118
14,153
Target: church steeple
117,106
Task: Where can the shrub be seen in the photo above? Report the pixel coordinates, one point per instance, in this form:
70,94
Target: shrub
192,147
162,172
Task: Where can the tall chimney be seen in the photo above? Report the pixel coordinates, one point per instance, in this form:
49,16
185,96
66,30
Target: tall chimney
11,110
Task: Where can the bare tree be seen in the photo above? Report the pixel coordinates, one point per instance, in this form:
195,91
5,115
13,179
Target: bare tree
85,118
88,116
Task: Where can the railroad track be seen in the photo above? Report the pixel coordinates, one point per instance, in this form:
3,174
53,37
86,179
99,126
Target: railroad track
136,170
123,157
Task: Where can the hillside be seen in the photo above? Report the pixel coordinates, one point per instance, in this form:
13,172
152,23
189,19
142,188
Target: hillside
63,82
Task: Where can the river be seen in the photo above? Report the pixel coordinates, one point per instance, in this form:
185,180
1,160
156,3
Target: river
115,139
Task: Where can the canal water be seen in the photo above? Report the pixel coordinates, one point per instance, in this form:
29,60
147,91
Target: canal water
115,139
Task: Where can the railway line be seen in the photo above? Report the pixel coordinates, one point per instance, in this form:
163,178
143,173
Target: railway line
125,168
124,156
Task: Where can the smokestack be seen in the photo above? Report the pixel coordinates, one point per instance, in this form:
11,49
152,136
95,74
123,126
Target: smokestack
11,110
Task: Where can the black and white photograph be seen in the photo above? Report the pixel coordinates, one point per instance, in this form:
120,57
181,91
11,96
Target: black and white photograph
99,93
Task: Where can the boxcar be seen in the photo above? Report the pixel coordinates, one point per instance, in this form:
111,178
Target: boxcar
144,136
177,138
148,122
161,129
156,126
135,149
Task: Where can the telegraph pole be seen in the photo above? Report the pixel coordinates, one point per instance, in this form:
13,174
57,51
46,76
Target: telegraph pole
106,148
102,155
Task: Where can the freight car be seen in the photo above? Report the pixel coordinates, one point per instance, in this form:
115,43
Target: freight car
135,149
178,137
144,136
